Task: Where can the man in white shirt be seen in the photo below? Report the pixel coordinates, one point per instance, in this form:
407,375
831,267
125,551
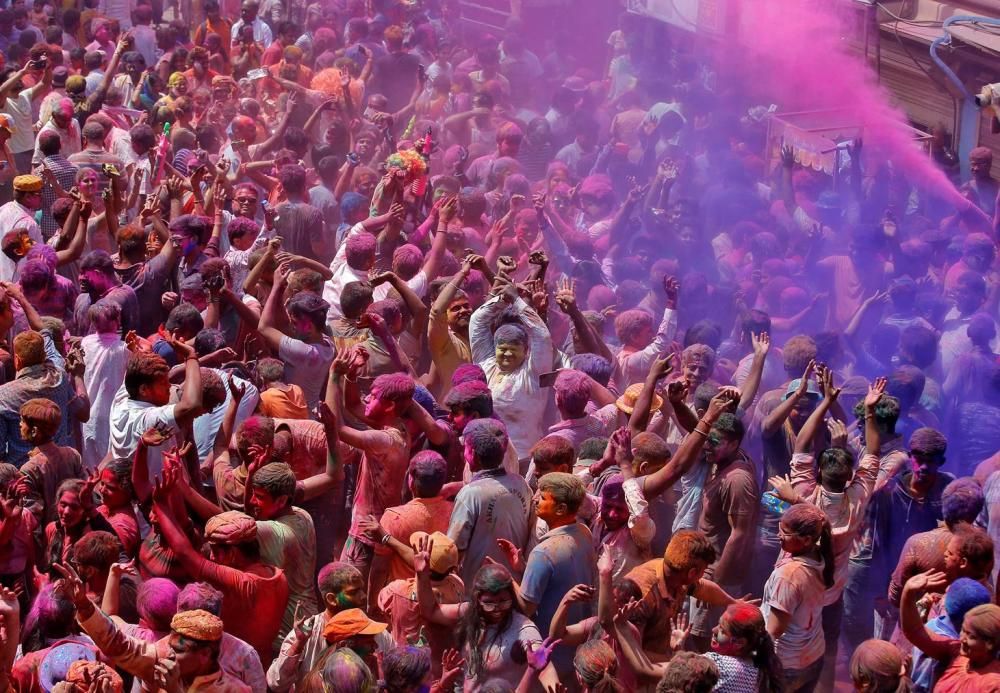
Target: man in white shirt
19,214
248,15
17,103
143,402
63,124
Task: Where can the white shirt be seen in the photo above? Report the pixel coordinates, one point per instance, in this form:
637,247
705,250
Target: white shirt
70,138
130,418
14,216
105,357
344,274
18,108
207,425
261,32
518,399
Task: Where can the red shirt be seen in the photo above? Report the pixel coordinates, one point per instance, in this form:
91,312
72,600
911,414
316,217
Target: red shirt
252,605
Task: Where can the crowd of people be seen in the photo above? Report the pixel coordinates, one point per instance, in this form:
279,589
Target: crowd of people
355,347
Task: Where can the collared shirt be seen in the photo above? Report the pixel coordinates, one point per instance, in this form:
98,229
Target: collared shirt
47,380
261,31
65,173
419,515
518,399
289,542
494,505
600,424
130,418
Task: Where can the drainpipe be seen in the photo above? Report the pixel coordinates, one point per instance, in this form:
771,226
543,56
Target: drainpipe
968,133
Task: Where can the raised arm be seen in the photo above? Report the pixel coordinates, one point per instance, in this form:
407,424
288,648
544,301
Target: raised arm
930,643
761,345
639,420
273,318
190,404
690,449
776,419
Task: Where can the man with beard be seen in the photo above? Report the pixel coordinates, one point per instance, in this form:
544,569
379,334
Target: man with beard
98,280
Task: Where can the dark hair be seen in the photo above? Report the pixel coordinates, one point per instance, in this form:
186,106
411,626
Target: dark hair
429,471
292,178
977,548
186,317
355,299
98,549
747,622
472,396
597,367
961,501
209,340
730,426
488,438
836,466
490,579
920,343
143,369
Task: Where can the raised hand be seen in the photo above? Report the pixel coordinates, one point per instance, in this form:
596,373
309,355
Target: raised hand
538,657
761,344
680,628
9,605
539,258
422,556
301,626
451,667
838,433
930,581
804,380
127,568
661,368
671,287
70,584
622,441
725,399
825,377
875,392
156,436
677,392
605,564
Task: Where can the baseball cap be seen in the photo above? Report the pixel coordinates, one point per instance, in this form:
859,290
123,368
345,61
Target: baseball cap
349,623
444,553
811,388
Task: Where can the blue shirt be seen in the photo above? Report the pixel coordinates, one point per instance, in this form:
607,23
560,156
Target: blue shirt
562,559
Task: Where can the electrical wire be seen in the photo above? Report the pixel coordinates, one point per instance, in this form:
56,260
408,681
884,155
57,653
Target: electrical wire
904,20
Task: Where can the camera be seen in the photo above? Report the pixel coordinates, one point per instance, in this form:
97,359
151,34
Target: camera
110,170
988,96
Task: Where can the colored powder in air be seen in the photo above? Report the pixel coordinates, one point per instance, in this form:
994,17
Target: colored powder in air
792,52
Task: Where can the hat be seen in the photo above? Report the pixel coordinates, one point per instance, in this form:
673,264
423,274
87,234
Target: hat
811,388
55,665
27,183
626,402
59,76
197,624
231,527
444,553
75,84
575,84
349,623
84,671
